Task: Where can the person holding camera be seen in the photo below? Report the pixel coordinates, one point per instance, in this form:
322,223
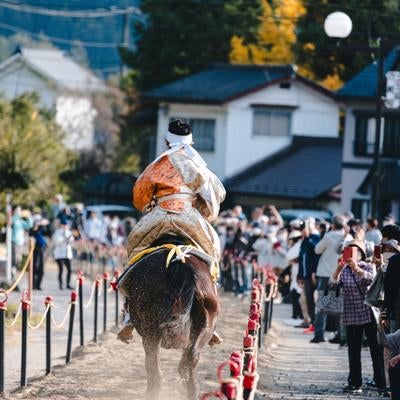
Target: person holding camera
355,275
327,249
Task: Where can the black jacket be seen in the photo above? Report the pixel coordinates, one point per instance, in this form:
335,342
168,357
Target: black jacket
392,287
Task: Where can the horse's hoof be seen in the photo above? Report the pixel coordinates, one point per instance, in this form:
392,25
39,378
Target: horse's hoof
215,340
126,333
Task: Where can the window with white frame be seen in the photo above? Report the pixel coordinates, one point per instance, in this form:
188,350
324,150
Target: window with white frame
271,121
203,130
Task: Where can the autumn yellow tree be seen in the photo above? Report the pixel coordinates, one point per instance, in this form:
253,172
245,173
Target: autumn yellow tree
276,39
276,35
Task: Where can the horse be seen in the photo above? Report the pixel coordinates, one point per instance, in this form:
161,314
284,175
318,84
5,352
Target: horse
172,307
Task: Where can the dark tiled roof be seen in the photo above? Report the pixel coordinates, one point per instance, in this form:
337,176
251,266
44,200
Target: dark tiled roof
220,83
308,168
389,178
363,85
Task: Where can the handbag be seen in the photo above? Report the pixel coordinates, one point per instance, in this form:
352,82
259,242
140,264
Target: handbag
330,301
375,293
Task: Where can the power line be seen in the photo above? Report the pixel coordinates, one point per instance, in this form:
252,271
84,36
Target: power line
94,13
74,42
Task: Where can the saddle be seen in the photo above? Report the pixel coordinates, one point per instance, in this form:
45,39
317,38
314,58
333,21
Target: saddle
178,249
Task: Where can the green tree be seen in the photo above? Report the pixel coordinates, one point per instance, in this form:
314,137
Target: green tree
180,37
32,155
324,56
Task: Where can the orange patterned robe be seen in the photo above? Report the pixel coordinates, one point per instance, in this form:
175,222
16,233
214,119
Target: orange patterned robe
178,197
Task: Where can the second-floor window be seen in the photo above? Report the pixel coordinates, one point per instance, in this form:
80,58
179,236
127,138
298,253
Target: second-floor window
271,121
364,142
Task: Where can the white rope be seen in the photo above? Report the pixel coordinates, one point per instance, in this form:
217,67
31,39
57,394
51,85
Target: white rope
15,318
34,327
59,326
91,295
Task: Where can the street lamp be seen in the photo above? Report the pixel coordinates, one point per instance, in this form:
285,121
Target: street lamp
339,25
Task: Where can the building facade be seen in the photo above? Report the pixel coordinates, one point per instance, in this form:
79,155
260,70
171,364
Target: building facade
244,115
358,98
62,85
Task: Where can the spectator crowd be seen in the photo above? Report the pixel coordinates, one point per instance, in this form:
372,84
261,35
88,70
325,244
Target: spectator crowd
308,256
359,260
64,233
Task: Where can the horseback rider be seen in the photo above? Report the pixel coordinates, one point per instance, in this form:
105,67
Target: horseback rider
178,196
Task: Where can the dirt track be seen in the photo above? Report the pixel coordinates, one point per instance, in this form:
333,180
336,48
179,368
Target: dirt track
114,370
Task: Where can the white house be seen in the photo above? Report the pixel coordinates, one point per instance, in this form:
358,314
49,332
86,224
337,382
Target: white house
243,115
61,83
359,100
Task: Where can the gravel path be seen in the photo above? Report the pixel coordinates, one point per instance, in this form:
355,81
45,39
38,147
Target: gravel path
290,367
36,363
294,368
114,370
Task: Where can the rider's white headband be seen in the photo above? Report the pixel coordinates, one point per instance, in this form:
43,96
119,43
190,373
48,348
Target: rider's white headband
175,140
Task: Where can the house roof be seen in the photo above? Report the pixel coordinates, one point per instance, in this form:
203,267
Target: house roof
363,85
307,169
225,82
52,64
389,178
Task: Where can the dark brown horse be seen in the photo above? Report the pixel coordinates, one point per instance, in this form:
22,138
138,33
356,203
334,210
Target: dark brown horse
174,307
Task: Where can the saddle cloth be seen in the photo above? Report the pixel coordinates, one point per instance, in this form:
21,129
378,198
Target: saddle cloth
176,252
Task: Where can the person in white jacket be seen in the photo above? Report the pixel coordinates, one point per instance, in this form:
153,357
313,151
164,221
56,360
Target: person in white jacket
328,248
62,251
292,257
262,246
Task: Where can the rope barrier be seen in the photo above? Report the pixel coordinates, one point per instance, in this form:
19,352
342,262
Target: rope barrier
47,318
87,305
34,327
27,262
8,326
61,325
272,292
243,379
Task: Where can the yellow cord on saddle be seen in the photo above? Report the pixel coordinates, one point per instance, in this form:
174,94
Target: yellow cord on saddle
138,256
180,255
180,251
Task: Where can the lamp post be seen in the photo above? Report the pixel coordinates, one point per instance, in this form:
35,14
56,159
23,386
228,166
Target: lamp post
339,25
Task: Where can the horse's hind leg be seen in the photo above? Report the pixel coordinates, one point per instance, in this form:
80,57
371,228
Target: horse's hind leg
152,352
187,370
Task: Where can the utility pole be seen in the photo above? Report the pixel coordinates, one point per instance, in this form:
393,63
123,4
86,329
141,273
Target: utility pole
8,239
125,36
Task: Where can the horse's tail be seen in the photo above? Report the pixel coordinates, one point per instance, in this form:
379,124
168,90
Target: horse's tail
181,294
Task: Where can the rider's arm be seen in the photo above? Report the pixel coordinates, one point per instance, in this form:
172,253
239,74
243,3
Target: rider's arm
143,191
212,192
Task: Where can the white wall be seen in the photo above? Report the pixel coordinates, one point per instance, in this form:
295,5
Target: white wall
76,116
236,148
73,112
314,114
215,159
349,132
17,79
351,180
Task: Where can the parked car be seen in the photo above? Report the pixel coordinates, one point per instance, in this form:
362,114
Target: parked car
111,210
291,214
